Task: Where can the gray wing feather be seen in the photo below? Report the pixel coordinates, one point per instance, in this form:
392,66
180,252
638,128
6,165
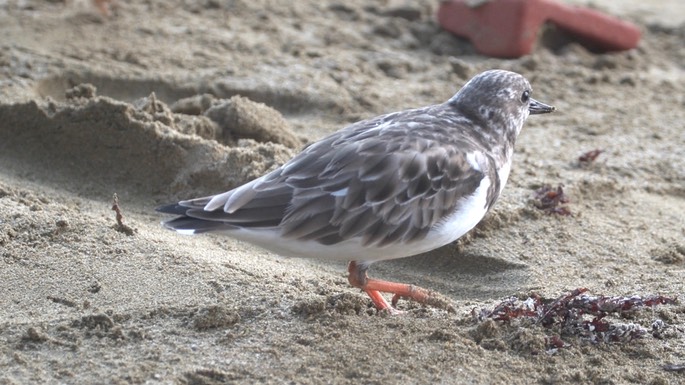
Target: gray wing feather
380,184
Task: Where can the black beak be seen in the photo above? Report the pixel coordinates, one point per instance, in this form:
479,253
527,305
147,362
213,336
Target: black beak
536,107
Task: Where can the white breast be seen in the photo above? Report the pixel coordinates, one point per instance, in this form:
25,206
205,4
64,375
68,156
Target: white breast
504,174
469,212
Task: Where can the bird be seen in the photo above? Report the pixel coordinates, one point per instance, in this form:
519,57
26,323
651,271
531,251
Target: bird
387,187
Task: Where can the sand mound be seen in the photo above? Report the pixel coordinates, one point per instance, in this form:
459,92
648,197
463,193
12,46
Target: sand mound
99,145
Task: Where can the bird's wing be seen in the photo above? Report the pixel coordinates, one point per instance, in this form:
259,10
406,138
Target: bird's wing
371,180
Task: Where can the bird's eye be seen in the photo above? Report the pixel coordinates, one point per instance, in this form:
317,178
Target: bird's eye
525,96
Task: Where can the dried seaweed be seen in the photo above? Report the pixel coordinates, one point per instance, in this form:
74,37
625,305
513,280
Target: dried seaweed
578,314
551,200
589,156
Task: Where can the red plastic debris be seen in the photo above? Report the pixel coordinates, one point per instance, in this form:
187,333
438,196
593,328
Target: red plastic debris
509,28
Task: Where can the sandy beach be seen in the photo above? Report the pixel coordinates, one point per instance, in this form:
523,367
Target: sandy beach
158,101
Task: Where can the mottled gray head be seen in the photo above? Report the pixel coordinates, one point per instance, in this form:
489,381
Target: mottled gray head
500,100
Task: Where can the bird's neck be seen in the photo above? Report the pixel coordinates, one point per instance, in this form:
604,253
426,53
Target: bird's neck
492,129
503,152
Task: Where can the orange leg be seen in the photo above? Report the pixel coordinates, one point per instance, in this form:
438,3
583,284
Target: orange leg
373,287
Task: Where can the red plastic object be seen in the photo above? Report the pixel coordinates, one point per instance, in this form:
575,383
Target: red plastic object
509,28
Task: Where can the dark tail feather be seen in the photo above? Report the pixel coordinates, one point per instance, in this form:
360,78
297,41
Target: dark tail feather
196,226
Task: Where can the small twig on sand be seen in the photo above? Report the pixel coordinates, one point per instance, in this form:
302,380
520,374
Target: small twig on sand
121,226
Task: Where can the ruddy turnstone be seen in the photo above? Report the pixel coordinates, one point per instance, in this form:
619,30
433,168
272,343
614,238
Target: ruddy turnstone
389,187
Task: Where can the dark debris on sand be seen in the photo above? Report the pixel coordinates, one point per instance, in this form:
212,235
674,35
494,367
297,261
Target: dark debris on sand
579,315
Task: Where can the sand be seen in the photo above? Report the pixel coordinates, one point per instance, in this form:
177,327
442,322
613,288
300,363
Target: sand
164,100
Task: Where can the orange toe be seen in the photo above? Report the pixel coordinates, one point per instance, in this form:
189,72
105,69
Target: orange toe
373,287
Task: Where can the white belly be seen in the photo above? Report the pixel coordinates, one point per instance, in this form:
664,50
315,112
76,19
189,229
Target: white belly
470,211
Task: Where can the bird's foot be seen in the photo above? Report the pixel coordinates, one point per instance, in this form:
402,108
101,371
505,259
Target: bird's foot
374,287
